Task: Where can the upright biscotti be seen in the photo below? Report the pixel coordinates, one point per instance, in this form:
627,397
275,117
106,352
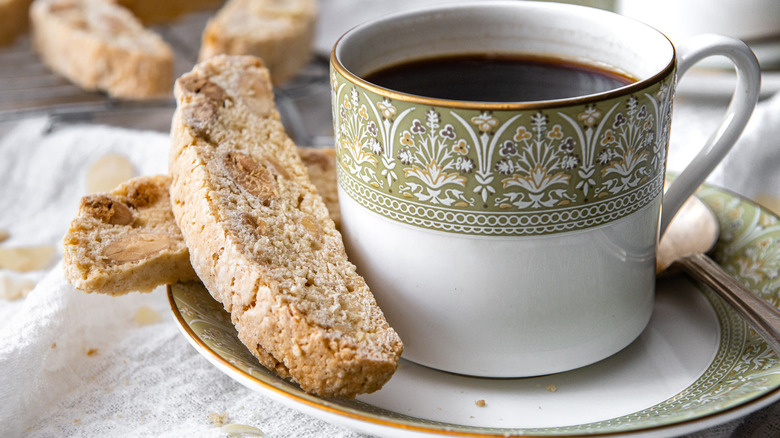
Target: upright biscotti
260,237
126,240
100,45
13,19
279,32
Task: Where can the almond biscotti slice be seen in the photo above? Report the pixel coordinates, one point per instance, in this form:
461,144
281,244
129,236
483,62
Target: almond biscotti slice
260,237
100,45
126,240
280,32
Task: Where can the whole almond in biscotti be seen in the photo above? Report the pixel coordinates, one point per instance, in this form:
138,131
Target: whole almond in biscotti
280,32
100,45
260,237
126,240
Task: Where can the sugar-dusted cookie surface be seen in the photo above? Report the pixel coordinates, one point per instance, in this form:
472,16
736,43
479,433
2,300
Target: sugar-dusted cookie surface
126,240
260,237
279,32
99,45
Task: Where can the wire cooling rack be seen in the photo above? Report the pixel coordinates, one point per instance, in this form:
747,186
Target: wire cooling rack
29,89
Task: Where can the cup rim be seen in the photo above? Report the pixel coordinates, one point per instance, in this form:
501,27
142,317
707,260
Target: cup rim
499,106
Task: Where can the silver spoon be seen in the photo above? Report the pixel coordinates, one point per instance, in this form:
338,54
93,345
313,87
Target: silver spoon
693,232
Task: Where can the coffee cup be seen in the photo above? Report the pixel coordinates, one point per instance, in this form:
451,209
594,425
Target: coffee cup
503,235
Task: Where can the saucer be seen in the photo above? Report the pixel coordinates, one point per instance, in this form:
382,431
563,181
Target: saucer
695,366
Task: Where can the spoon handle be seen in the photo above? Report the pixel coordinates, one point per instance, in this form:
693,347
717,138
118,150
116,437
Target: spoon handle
761,316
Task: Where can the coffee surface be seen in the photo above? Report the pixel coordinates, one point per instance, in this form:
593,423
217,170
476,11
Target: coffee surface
497,78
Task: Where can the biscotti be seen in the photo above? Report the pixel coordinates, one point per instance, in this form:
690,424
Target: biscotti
93,266
13,19
260,237
100,45
279,32
126,240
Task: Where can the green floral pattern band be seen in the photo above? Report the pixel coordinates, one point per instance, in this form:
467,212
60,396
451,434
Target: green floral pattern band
515,172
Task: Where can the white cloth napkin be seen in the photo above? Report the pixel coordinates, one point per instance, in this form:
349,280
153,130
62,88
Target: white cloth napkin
78,365
73,364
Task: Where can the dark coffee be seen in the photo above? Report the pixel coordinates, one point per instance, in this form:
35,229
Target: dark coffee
497,78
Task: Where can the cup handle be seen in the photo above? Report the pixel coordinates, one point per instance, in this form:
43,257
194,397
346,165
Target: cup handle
743,101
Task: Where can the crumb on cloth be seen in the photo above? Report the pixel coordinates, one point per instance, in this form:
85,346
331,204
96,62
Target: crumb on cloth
26,258
107,172
218,419
13,288
145,315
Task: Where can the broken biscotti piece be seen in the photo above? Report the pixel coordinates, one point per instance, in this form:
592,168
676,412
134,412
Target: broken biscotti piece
280,32
100,45
126,240
261,240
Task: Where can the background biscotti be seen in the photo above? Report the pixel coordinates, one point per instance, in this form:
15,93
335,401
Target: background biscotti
14,14
260,237
278,32
101,46
126,240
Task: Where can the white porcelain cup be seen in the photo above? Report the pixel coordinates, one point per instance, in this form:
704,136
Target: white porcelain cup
516,238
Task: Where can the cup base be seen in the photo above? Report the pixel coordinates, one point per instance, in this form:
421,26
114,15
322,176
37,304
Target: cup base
541,364
507,307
